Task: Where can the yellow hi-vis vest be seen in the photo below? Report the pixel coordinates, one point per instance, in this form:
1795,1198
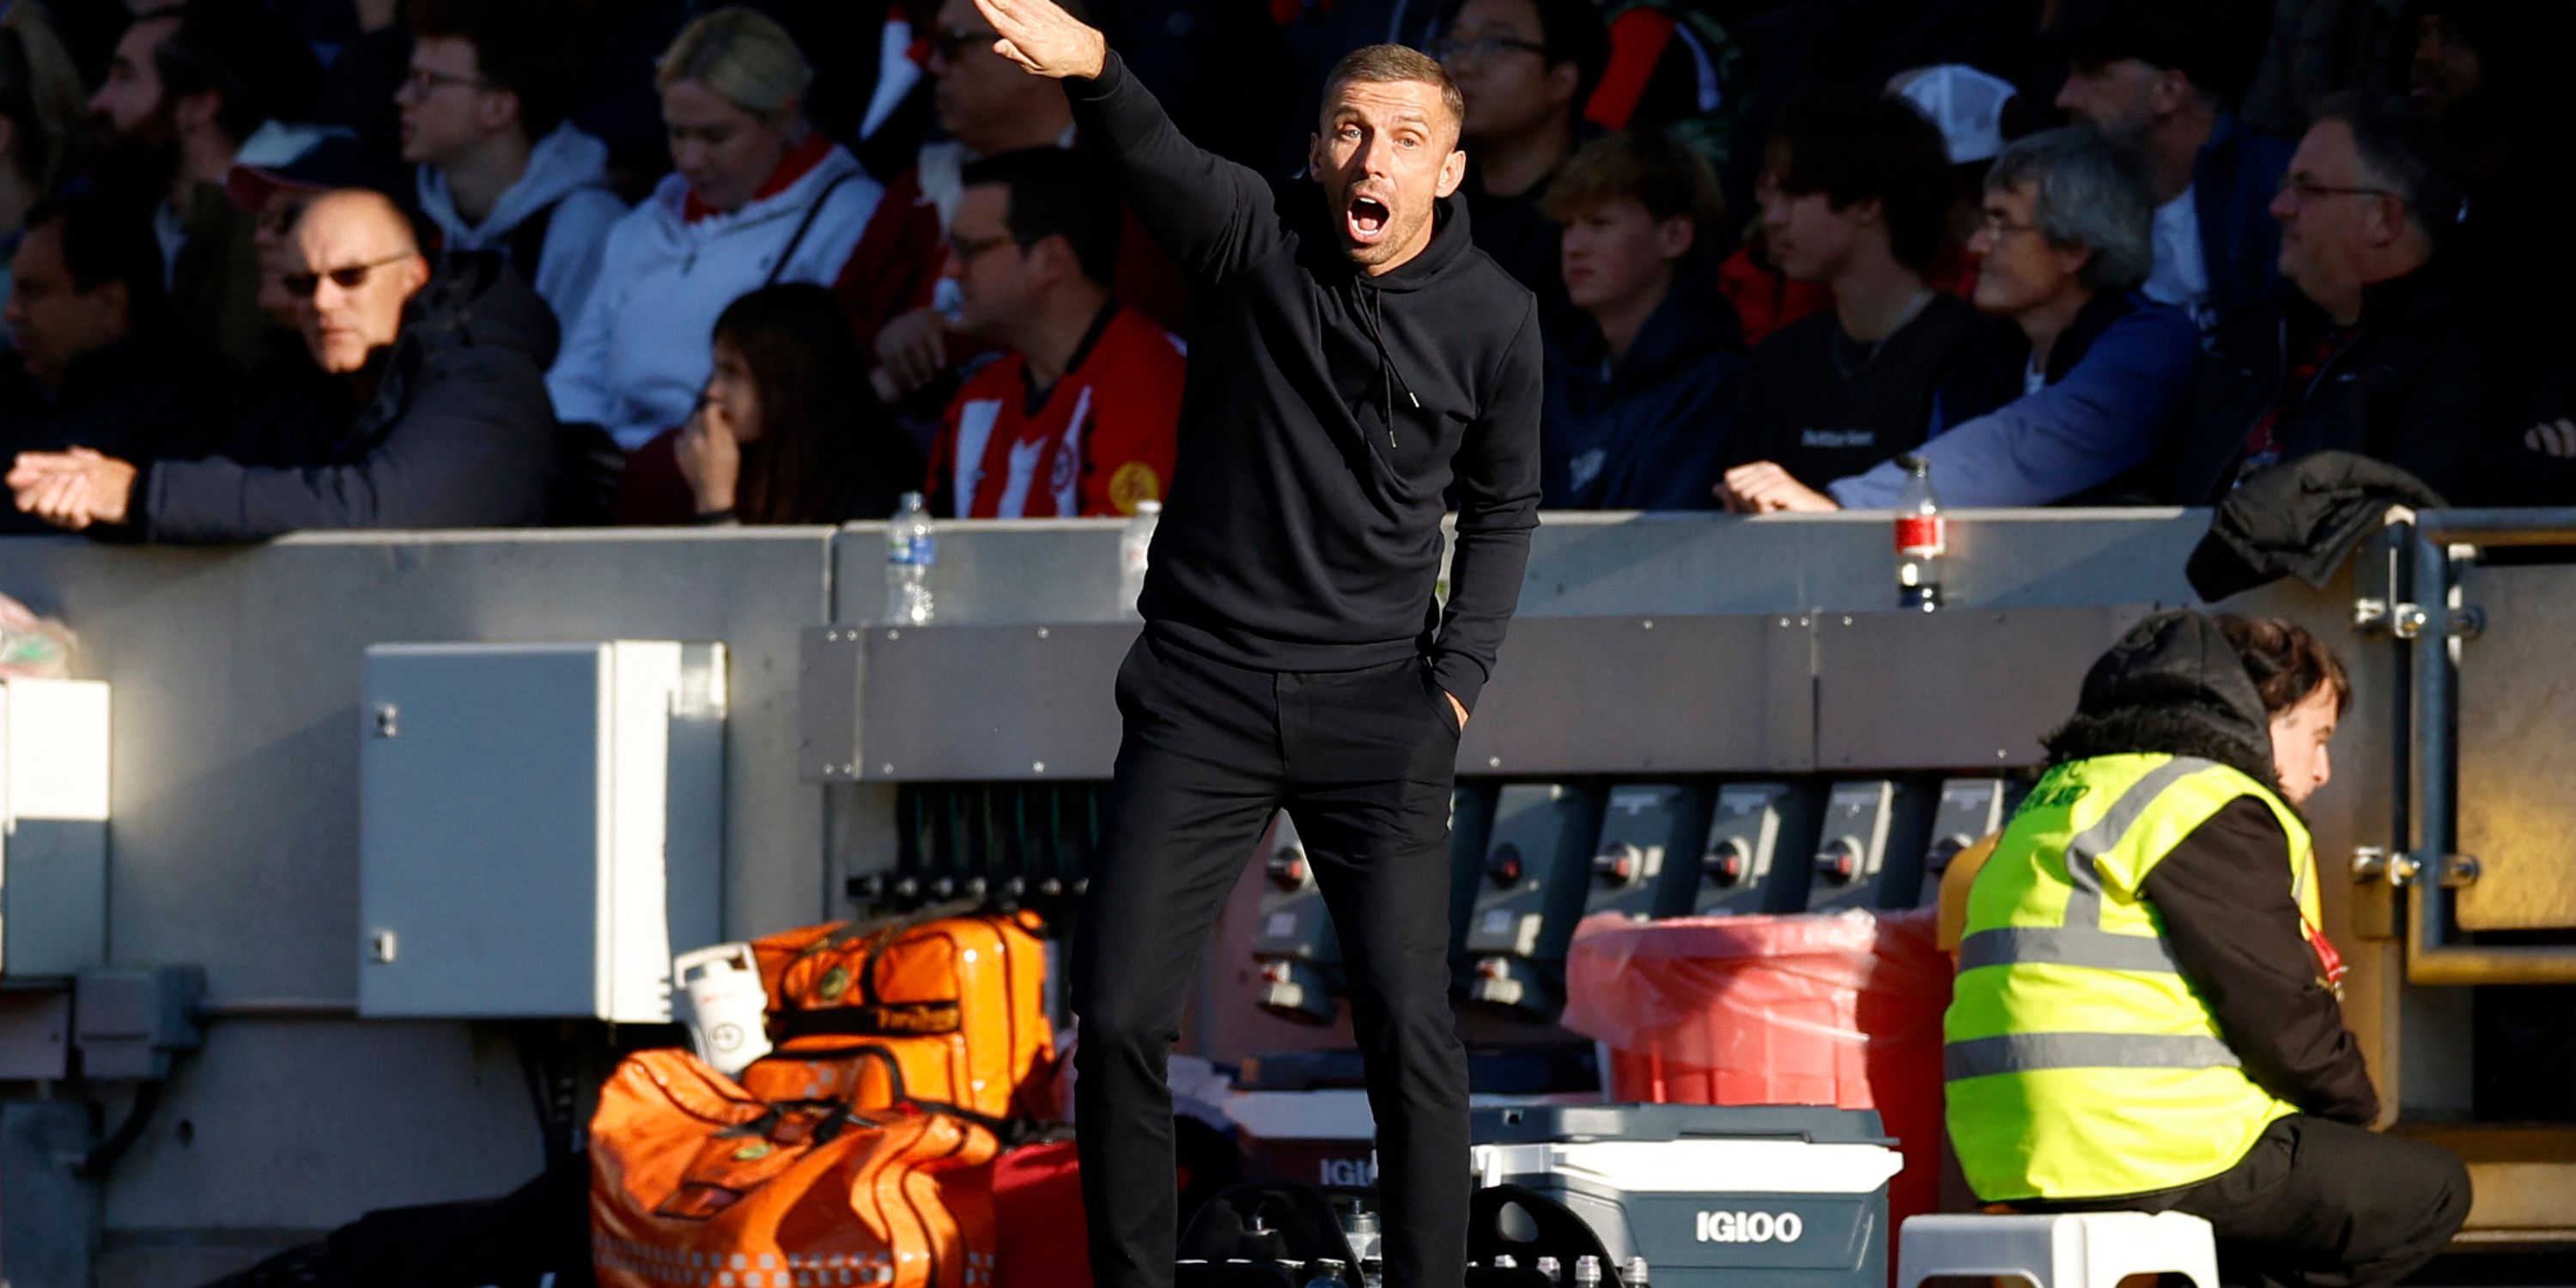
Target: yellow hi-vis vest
2080,1063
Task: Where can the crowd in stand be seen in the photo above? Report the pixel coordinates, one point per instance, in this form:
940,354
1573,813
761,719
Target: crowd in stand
285,264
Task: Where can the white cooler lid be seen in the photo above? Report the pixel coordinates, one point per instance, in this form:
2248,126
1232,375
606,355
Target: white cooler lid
1697,1166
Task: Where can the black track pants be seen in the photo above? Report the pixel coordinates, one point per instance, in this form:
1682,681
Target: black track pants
2320,1204
1363,761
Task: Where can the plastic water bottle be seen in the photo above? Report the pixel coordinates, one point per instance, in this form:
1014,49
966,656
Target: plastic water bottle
1135,544
1635,1275
1366,1237
912,549
1328,1274
1922,538
1587,1272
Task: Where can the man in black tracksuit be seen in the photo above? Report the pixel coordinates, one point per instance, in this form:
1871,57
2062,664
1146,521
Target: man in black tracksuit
1354,360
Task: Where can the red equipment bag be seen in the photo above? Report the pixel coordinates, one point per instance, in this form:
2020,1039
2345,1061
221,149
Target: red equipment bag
1037,1204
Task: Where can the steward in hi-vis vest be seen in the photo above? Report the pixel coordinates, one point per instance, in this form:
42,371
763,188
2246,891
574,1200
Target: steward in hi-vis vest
2146,1013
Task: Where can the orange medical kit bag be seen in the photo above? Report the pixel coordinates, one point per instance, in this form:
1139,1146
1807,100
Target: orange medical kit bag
696,1181
960,1003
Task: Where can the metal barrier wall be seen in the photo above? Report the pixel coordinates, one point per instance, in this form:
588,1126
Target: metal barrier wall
236,683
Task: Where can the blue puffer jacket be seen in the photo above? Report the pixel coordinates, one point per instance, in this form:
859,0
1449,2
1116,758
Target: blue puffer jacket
1648,433
2118,381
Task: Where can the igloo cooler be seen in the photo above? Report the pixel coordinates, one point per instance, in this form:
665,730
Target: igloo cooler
1709,1194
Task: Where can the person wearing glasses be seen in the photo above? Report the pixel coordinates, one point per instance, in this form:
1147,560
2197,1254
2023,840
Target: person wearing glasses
1077,416
756,196
432,413
2098,373
500,167
2370,348
1527,68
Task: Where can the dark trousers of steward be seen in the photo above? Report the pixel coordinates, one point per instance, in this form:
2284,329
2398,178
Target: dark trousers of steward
2318,1204
1364,762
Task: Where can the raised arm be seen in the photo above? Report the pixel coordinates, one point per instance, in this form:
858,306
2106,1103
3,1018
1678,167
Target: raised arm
1209,214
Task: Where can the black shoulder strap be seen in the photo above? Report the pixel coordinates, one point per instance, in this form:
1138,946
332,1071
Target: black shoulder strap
812,213
525,245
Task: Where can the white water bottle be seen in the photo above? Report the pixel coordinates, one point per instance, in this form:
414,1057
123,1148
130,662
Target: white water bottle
912,549
722,1002
1135,546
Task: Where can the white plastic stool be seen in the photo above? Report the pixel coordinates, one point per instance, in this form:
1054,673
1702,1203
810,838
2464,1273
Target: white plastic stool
2068,1250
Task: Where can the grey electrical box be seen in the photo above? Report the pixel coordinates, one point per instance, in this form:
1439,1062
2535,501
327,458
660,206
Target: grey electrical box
1299,955
1970,810
53,826
1759,845
540,825
131,1023
1648,860
1869,852
1537,863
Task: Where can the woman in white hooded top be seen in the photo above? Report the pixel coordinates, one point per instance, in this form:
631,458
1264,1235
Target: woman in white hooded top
756,196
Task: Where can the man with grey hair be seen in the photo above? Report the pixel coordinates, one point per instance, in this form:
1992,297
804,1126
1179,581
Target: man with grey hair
2064,244
2375,352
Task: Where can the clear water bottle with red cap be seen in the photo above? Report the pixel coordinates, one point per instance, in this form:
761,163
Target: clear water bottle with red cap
1922,538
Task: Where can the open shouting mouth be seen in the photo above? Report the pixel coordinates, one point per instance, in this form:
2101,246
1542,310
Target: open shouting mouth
1367,218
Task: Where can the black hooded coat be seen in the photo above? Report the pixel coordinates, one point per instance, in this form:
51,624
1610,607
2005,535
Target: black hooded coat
2175,685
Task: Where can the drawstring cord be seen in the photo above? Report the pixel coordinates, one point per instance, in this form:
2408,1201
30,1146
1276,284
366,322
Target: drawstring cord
1389,375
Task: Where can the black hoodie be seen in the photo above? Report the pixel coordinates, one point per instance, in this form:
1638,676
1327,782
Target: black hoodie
1327,415
459,434
2175,685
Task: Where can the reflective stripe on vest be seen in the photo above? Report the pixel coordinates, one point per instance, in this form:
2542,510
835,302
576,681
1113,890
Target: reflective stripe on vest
2080,1061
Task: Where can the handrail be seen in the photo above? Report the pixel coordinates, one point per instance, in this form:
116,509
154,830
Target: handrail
2434,954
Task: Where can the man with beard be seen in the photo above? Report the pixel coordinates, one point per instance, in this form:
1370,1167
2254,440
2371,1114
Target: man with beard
1356,359
2155,77
186,87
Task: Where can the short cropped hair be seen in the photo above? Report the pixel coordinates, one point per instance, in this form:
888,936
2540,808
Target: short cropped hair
106,241
741,54
1666,176
2085,192
1862,148
2403,148
1394,65
1056,192
523,46
2288,664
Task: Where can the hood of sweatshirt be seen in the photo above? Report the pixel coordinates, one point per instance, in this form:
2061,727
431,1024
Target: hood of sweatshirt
2175,685
562,163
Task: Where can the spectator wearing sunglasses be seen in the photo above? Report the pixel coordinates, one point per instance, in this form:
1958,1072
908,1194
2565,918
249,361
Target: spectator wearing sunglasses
756,196
432,412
